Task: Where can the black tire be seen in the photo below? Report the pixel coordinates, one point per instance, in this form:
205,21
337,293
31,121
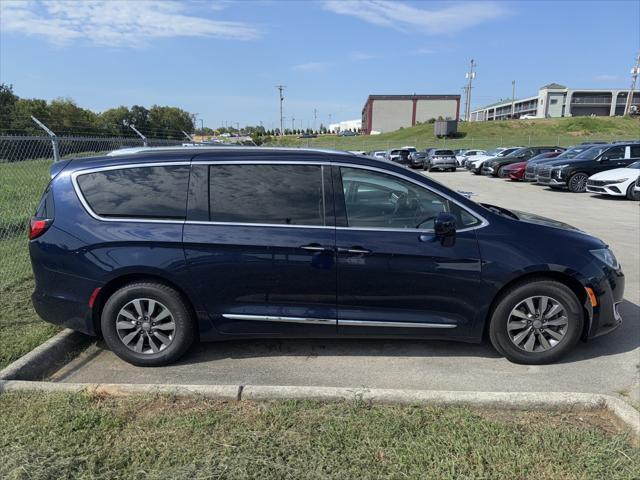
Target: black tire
578,182
498,332
184,332
631,195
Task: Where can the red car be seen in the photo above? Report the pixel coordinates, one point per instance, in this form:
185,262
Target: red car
515,171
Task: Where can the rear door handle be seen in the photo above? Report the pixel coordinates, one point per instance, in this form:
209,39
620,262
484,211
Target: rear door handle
355,250
316,247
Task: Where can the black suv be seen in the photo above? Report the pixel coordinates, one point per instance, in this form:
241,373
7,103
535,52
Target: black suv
531,172
573,174
492,167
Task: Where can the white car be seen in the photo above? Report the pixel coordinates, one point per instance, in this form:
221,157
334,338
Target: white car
528,117
619,182
475,164
465,155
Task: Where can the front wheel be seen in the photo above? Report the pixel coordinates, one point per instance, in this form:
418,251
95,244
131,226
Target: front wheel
536,322
578,183
147,324
631,195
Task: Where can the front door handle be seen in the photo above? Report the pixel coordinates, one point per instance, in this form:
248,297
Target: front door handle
355,250
316,247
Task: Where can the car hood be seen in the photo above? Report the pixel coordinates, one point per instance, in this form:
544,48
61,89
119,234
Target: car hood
616,173
532,218
516,166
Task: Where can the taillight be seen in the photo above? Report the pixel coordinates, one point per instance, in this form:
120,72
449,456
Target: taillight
37,226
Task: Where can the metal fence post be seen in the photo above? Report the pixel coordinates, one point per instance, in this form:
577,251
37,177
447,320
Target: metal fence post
529,144
144,139
54,138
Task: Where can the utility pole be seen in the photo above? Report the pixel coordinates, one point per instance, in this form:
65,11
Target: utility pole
280,89
513,98
635,71
293,124
470,75
315,117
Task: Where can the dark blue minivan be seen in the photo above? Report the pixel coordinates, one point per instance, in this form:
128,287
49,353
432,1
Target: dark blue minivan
162,247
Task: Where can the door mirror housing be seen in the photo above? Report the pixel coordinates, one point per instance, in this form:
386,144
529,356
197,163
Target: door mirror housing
604,158
445,229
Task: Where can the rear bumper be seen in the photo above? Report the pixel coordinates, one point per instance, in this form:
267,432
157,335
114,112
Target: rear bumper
65,312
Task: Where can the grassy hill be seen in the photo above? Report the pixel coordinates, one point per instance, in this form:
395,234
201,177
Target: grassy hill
552,131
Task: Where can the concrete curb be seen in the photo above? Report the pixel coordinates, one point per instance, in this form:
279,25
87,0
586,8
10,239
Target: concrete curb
46,358
628,416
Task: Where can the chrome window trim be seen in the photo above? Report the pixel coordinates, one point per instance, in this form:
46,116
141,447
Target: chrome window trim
89,210
375,323
279,319
74,176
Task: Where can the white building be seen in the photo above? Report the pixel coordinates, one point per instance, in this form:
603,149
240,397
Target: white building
354,125
556,100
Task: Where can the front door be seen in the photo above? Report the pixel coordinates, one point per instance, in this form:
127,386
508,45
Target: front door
394,276
264,257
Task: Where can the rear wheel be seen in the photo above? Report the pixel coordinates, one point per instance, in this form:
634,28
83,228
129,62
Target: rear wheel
578,182
147,324
631,195
536,322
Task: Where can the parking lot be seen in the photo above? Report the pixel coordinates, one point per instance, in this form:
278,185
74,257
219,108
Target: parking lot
609,364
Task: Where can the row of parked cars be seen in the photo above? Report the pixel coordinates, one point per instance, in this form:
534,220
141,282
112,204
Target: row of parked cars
602,168
428,159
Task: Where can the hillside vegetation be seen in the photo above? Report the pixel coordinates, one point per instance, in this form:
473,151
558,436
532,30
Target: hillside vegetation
552,131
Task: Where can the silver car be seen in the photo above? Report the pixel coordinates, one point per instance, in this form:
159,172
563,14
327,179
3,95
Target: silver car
440,159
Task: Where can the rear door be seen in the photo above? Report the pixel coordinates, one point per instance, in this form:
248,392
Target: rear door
260,243
394,275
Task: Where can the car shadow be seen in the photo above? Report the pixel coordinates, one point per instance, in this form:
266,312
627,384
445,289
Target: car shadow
624,339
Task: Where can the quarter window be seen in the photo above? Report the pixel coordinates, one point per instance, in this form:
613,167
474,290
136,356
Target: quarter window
269,194
139,192
378,200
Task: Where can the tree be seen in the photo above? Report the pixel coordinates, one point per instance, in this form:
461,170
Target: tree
169,122
7,105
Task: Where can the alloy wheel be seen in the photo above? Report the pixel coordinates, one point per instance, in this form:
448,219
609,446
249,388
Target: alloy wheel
145,326
537,324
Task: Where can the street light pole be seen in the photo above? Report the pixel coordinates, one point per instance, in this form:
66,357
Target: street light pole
470,75
513,98
280,90
635,71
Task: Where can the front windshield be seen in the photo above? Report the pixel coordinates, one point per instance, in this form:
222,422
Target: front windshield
506,152
572,152
515,153
591,153
635,165
492,153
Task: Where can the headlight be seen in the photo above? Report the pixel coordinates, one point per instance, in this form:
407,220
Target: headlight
560,166
607,257
619,180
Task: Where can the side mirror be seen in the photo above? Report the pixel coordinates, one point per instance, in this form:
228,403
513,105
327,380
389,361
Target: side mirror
445,229
604,159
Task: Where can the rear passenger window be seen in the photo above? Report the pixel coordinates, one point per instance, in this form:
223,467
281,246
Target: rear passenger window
635,151
270,194
140,192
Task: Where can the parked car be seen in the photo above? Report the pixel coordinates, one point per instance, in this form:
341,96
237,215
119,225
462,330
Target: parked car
347,133
636,188
308,135
531,172
492,167
475,165
462,156
516,171
357,152
416,159
439,159
619,182
157,249
573,174
398,155
378,154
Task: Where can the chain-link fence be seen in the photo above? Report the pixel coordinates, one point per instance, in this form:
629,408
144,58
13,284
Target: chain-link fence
369,143
24,174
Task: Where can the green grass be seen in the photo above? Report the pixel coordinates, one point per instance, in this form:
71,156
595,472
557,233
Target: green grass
21,330
558,131
81,436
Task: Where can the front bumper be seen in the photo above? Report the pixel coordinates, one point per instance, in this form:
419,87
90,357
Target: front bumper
552,182
617,189
609,291
530,177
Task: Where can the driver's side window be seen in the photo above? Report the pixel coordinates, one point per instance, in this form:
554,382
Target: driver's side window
379,200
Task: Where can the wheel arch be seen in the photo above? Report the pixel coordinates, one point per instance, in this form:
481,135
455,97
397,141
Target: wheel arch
571,282
120,281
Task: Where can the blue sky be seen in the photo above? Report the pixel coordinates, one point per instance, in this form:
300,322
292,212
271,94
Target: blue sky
222,59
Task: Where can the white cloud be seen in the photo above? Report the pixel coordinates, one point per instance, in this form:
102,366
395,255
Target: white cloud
392,14
114,23
312,66
362,56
